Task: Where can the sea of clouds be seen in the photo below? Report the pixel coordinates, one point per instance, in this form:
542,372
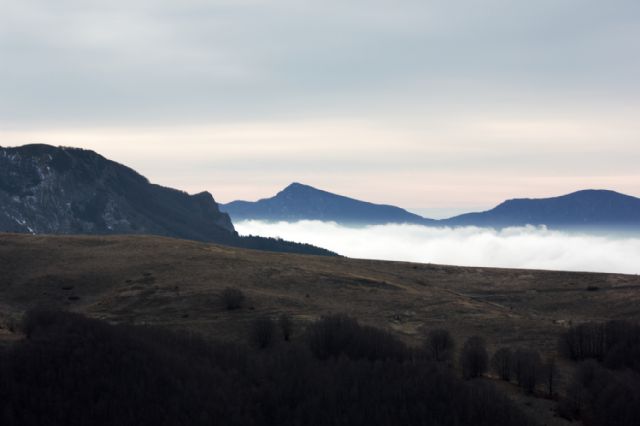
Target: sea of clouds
522,247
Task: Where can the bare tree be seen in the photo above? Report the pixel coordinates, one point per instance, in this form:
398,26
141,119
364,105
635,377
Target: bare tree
440,345
527,369
474,359
502,363
550,374
583,341
286,326
262,332
336,335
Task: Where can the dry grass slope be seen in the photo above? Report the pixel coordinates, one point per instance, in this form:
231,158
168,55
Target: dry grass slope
176,283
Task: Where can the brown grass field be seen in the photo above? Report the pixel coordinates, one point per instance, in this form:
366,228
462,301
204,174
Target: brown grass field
177,284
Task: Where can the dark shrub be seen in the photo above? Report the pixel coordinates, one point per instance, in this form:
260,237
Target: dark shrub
337,335
527,367
622,345
232,298
286,326
474,359
77,371
440,345
617,403
262,332
502,363
550,375
85,371
46,322
583,341
588,380
573,402
616,343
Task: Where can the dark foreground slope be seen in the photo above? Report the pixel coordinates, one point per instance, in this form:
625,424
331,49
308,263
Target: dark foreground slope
49,190
84,370
304,202
69,370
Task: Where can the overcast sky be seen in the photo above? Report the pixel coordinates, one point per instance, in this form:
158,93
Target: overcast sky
434,105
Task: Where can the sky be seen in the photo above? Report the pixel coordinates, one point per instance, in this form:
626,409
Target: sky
435,106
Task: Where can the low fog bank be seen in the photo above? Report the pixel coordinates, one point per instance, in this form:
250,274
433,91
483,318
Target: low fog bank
525,247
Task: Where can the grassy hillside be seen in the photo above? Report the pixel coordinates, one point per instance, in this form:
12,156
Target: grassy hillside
176,283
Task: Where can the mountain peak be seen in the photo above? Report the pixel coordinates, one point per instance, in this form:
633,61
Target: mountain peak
584,208
297,187
293,185
596,193
299,201
583,195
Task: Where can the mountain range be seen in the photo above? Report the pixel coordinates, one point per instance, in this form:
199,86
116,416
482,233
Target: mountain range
579,210
57,190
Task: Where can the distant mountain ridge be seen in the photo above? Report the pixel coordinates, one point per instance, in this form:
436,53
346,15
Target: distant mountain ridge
581,209
55,190
303,202
586,208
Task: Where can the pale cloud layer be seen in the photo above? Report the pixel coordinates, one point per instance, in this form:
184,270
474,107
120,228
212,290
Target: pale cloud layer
423,104
526,247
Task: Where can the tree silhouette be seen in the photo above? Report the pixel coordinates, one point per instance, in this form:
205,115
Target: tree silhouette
440,345
502,363
474,359
286,326
527,369
262,332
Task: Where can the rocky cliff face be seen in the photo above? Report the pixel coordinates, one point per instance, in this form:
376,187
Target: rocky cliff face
49,190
